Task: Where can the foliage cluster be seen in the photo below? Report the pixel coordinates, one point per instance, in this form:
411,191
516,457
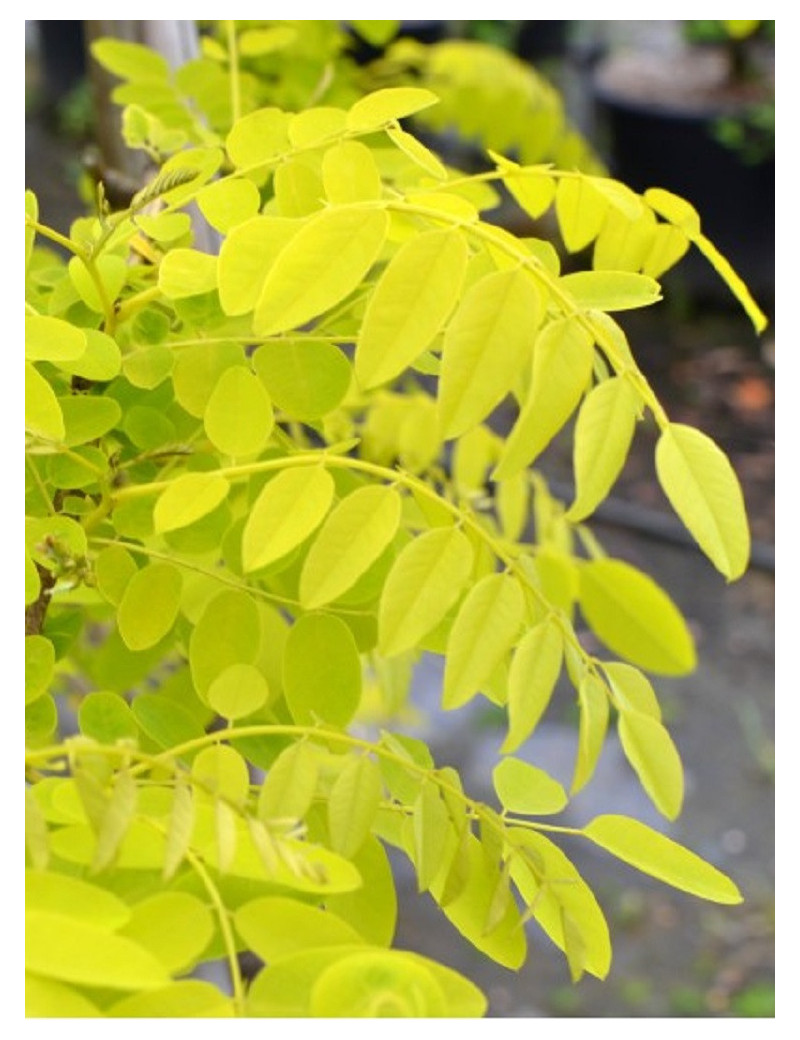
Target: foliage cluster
263,483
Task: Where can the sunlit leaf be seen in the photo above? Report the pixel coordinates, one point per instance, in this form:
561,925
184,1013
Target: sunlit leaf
655,759
655,854
188,498
352,537
289,508
485,627
535,667
424,582
524,788
486,345
412,300
353,802
635,618
302,283
321,671
603,434
705,493
149,605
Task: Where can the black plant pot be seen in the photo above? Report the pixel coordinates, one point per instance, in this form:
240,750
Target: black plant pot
652,146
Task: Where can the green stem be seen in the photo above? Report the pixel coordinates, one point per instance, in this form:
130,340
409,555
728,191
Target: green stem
135,303
393,476
54,236
237,983
253,590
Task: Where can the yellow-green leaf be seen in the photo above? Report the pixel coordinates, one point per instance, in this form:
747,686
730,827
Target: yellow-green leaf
101,360
149,605
655,854
384,106
109,270
593,700
533,189
485,627
74,897
239,690
113,569
305,378
117,818
175,927
432,827
289,508
228,203
610,290
131,61
238,417
410,304
351,539
350,173
523,788
87,417
258,137
624,244
704,491
318,124
468,911
635,618
321,671
632,690
188,498
486,345
40,659
557,886
71,950
52,339
245,258
302,282
674,209
299,191
417,152
290,784
353,803
187,998
562,367
187,272
228,632
424,582
668,245
603,434
655,759
274,927
179,829
43,416
581,210
535,667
